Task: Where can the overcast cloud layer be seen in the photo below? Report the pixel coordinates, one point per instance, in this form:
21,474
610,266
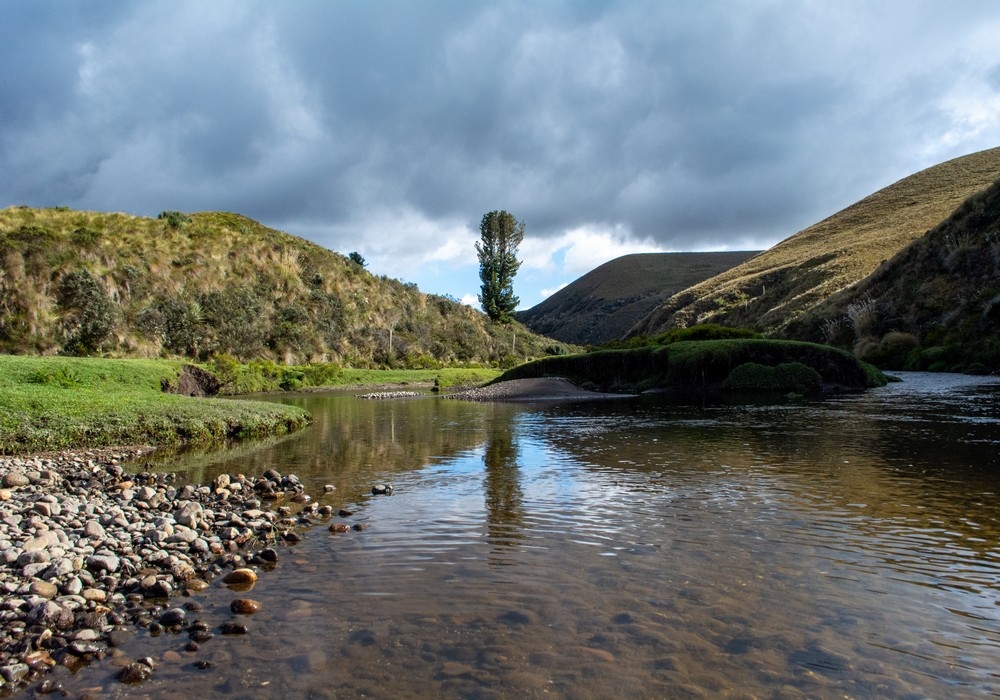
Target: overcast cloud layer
390,128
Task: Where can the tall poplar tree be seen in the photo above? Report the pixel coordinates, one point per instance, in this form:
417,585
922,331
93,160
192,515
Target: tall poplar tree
501,234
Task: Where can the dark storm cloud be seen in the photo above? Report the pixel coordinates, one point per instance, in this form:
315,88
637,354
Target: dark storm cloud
692,124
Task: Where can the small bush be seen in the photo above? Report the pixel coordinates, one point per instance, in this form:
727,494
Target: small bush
787,377
893,351
174,219
63,376
88,314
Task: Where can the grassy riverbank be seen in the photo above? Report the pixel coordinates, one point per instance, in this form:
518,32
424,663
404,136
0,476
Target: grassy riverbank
709,365
51,403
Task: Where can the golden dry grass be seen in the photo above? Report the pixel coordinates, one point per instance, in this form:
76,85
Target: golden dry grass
333,309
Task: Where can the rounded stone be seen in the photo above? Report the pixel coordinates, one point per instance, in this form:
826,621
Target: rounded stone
135,672
13,480
173,616
240,577
44,589
244,606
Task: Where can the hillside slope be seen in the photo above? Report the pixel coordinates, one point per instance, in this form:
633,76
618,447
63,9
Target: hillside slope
607,301
218,283
934,305
775,288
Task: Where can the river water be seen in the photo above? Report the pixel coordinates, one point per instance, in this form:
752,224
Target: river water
847,547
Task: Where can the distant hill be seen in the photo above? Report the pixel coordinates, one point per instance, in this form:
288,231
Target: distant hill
934,305
217,283
773,290
607,301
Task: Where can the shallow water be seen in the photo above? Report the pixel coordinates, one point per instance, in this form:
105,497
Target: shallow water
633,548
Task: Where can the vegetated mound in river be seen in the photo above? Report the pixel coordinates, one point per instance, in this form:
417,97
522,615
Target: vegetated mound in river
607,301
709,365
935,305
213,283
773,289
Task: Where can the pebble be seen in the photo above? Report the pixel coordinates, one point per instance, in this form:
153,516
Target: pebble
240,577
135,672
244,606
89,552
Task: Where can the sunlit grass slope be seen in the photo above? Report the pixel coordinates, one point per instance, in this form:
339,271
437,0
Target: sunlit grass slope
215,283
606,302
773,289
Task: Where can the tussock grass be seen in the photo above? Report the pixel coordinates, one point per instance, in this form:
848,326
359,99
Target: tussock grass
49,403
215,283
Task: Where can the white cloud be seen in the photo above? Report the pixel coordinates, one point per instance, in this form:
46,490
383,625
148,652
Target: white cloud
546,293
581,249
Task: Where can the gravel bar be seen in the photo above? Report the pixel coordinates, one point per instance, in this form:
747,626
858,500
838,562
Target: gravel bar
89,551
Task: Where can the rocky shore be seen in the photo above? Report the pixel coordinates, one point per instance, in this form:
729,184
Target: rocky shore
88,552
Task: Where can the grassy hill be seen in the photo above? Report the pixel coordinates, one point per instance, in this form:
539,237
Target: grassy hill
215,283
771,291
606,302
934,305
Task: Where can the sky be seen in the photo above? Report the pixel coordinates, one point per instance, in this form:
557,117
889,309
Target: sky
390,128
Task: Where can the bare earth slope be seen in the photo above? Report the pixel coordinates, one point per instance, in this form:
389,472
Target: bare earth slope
773,289
606,302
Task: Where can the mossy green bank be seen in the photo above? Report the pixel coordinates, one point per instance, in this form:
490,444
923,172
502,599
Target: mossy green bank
706,365
52,403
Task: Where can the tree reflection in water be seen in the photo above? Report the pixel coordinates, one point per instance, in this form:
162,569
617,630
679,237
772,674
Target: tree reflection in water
502,486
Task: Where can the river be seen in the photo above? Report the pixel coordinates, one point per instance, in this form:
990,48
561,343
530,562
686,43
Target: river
844,547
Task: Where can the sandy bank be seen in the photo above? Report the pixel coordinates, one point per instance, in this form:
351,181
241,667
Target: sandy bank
540,389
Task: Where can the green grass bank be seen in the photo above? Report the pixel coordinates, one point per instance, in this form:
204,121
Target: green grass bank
53,403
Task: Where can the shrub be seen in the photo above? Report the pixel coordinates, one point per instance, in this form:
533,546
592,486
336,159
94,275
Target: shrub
893,351
85,237
174,219
786,377
88,313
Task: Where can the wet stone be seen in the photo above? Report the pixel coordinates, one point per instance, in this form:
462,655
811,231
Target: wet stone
172,617
240,577
244,606
135,672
